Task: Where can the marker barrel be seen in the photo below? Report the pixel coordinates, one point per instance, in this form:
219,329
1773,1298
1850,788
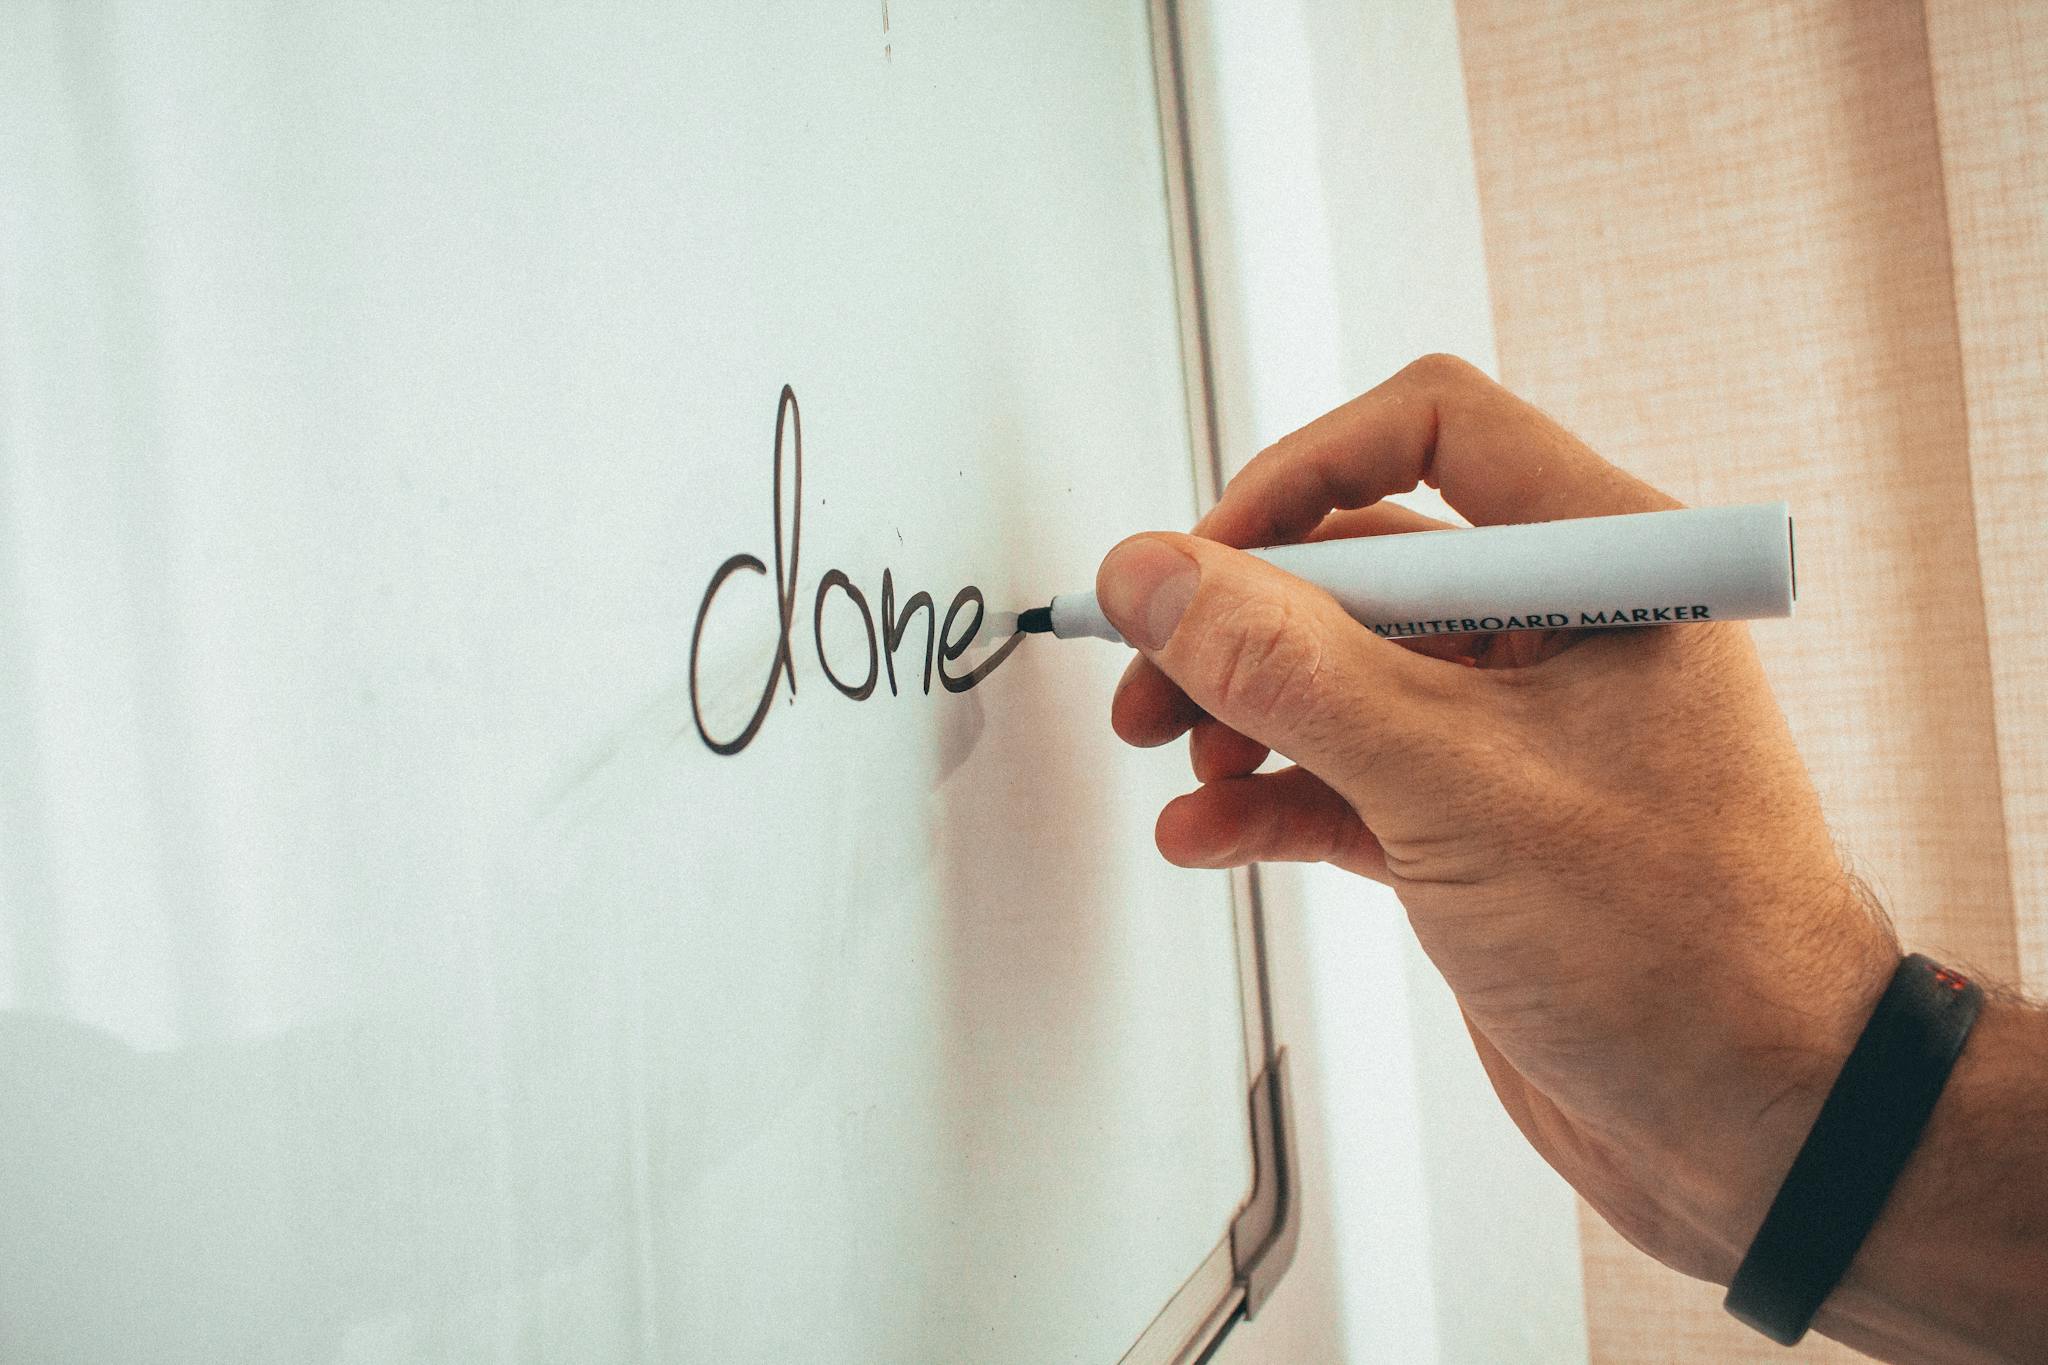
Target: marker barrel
1639,569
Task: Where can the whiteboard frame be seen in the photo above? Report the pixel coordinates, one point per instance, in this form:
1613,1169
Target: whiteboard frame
1234,1280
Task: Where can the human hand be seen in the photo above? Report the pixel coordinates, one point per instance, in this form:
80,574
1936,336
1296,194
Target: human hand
1605,841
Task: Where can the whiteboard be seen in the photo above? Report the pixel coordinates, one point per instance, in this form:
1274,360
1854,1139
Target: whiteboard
451,912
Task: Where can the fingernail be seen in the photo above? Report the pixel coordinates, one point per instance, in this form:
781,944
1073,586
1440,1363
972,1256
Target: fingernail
1144,587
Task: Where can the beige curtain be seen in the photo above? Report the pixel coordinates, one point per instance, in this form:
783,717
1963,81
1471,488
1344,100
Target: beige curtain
1800,250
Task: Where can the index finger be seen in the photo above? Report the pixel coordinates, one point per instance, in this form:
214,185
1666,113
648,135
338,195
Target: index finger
1440,421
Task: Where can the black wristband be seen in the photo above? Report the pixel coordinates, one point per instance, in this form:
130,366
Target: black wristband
1867,1128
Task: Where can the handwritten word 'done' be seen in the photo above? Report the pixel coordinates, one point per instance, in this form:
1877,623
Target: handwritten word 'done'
887,624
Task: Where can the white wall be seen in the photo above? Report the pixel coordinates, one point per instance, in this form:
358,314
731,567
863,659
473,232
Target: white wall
1340,223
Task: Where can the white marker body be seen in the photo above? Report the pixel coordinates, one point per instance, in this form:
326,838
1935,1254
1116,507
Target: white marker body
1640,569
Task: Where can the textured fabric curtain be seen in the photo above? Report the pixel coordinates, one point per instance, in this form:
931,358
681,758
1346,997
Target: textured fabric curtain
1800,250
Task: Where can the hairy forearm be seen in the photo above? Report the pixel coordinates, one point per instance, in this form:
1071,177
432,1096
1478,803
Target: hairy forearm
1956,1267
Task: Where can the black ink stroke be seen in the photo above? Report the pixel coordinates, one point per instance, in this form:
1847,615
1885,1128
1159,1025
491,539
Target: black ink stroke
837,579
896,625
787,418
949,650
941,646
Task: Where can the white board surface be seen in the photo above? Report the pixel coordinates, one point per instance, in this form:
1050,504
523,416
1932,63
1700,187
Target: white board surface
389,970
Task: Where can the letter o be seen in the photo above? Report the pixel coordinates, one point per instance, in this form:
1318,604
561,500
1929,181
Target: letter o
837,579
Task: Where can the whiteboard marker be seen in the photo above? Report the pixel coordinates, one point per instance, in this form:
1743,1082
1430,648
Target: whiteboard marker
1638,569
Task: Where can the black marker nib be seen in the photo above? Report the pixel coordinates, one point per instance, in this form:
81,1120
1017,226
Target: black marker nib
1037,621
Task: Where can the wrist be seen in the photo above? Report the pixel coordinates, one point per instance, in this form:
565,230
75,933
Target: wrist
1956,1259
1954,1262
1721,1167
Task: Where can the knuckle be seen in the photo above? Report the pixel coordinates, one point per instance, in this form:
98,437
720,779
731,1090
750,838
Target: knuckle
1440,369
1269,659
1249,474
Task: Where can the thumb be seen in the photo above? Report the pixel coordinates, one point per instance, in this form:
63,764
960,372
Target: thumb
1275,658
